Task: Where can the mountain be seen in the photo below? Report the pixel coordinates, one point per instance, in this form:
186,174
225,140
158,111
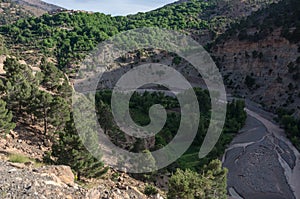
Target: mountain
37,7
204,20
13,10
260,56
255,44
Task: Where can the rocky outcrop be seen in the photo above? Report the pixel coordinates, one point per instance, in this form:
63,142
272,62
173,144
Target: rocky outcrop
16,182
62,174
57,182
259,57
266,63
37,7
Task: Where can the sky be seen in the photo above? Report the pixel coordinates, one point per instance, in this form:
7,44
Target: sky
113,7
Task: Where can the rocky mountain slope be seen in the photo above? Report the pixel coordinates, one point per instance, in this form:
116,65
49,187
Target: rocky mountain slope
204,20
20,180
24,176
259,57
13,10
37,7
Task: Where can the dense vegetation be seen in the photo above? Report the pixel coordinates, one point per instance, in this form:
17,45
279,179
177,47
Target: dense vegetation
68,36
291,125
139,108
186,182
6,123
29,101
283,15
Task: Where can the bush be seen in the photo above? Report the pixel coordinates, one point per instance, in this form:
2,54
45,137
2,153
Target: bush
249,81
150,190
211,183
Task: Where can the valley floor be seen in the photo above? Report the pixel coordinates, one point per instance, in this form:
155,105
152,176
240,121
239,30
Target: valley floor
262,162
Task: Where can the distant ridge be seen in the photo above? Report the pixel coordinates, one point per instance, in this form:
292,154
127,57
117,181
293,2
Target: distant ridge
37,7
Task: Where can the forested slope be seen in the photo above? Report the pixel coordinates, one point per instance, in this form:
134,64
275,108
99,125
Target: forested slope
67,36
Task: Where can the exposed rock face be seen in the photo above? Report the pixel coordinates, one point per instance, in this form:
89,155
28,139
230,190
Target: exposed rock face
266,62
27,183
37,7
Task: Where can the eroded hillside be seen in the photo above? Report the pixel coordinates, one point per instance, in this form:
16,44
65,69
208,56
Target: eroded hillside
260,56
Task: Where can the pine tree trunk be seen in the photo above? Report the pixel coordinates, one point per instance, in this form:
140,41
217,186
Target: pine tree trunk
45,121
78,176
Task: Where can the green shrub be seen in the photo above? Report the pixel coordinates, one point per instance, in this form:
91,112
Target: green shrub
210,183
249,81
150,190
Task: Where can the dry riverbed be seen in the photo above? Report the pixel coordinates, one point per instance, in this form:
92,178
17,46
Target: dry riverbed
262,162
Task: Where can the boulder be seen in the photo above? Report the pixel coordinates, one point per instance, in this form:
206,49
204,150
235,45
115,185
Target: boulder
63,173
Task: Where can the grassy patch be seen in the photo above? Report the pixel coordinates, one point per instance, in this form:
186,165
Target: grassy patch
19,158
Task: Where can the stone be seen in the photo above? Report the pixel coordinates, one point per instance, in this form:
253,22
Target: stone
63,173
12,170
121,179
115,196
157,196
47,143
52,183
137,193
93,194
17,165
13,134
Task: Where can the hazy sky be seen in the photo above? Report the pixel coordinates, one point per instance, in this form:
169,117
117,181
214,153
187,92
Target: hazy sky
113,7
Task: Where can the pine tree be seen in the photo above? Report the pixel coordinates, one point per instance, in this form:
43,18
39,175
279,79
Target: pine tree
18,93
105,116
50,110
12,67
218,176
70,150
42,108
59,113
65,90
19,85
2,87
52,76
6,123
